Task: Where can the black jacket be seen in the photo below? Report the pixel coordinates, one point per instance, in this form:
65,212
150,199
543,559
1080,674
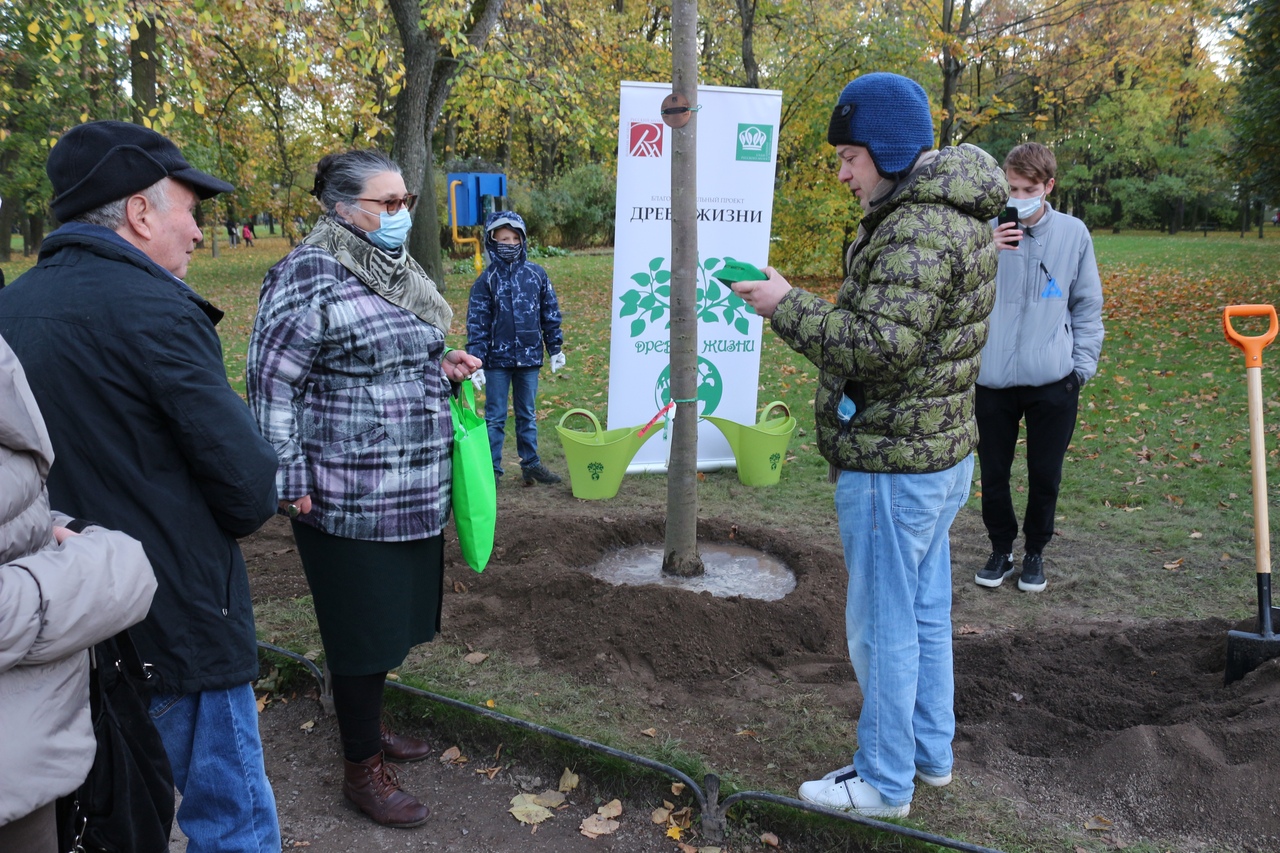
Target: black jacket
148,438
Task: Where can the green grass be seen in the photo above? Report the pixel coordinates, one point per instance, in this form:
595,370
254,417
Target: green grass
1157,474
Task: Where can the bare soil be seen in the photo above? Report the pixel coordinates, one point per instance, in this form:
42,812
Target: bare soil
1062,718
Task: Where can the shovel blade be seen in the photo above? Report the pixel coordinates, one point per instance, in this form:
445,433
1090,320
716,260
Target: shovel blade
1246,652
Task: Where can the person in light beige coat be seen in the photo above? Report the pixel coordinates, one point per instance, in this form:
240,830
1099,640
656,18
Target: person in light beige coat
60,593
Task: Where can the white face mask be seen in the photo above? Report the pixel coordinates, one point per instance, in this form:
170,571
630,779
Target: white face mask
1026,207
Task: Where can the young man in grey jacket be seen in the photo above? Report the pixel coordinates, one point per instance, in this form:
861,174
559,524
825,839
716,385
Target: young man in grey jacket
1046,335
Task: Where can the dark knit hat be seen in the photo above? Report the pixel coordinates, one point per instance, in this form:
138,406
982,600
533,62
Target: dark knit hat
102,161
889,116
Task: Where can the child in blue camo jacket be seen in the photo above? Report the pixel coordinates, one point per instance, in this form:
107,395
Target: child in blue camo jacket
511,317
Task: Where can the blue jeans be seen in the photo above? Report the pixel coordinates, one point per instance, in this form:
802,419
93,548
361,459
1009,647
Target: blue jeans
216,753
898,619
523,384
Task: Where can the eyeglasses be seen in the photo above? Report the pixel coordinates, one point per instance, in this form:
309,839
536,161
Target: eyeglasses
393,205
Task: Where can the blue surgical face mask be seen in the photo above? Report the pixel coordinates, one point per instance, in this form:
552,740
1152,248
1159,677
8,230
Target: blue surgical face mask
1026,207
393,229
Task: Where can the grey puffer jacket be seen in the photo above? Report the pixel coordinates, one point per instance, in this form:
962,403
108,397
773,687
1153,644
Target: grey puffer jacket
55,602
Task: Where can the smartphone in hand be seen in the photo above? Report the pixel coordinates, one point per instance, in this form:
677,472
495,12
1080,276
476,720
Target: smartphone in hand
1010,215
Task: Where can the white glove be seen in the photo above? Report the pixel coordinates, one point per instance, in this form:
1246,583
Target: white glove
477,378
557,361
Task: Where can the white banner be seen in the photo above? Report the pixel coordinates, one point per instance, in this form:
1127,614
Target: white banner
737,153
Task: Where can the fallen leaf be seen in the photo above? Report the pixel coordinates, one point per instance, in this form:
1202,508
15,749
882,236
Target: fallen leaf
1097,823
308,725
489,771
674,832
549,799
262,702
311,654
489,703
677,788
668,805
649,732
1195,534
393,676
613,808
598,825
301,844
745,733
1174,564
660,816
708,850
1017,697
770,839
686,848
475,657
683,818
524,809
568,780
459,587
452,755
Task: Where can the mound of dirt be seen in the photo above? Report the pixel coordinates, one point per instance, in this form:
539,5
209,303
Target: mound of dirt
1128,721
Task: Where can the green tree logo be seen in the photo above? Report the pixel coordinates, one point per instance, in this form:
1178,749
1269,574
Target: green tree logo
596,470
710,387
650,301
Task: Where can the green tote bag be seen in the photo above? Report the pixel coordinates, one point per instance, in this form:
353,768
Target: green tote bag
475,493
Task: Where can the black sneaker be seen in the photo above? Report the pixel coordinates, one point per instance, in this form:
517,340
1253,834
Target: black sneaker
998,567
538,474
497,475
1032,577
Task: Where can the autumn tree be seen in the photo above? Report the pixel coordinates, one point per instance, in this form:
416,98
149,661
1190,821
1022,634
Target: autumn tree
1257,114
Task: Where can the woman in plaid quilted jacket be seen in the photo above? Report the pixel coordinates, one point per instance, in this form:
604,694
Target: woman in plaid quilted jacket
348,376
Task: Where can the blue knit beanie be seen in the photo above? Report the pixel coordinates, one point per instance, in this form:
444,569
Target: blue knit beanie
889,116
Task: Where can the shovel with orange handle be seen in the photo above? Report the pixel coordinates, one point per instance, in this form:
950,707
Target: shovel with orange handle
1247,651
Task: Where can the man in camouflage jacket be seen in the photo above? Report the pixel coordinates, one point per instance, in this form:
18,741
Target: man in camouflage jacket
898,357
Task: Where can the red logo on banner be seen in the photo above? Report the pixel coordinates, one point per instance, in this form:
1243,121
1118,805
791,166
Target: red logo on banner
646,139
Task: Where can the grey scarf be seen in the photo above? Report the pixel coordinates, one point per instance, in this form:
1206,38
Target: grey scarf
399,279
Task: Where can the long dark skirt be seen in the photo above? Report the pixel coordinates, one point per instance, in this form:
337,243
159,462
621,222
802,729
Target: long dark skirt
374,600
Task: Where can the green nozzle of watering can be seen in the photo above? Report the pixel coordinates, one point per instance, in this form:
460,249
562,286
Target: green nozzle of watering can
734,271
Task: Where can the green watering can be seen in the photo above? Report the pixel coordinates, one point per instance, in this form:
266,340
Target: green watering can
598,460
760,448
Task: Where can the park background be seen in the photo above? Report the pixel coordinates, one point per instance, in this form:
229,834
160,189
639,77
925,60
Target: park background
1161,115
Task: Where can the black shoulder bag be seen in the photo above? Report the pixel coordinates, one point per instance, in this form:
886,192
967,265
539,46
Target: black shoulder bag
126,804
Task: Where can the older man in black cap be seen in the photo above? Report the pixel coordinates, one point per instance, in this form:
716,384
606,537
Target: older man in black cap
150,438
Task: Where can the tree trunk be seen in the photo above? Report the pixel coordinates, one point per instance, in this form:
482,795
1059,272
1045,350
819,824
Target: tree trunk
8,212
142,69
409,149
680,553
429,72
425,238
952,67
35,234
747,21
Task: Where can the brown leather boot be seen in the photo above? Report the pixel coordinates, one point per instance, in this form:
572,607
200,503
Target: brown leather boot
374,786
403,747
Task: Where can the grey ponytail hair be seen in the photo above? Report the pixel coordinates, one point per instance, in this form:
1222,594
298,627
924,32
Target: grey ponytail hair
342,177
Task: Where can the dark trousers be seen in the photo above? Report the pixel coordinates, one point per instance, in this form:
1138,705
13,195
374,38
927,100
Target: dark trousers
1050,414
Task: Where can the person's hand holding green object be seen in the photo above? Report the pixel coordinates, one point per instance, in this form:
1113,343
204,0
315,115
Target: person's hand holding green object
762,289
735,271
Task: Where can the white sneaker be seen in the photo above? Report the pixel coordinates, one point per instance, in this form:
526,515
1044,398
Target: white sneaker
848,793
933,781
930,780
